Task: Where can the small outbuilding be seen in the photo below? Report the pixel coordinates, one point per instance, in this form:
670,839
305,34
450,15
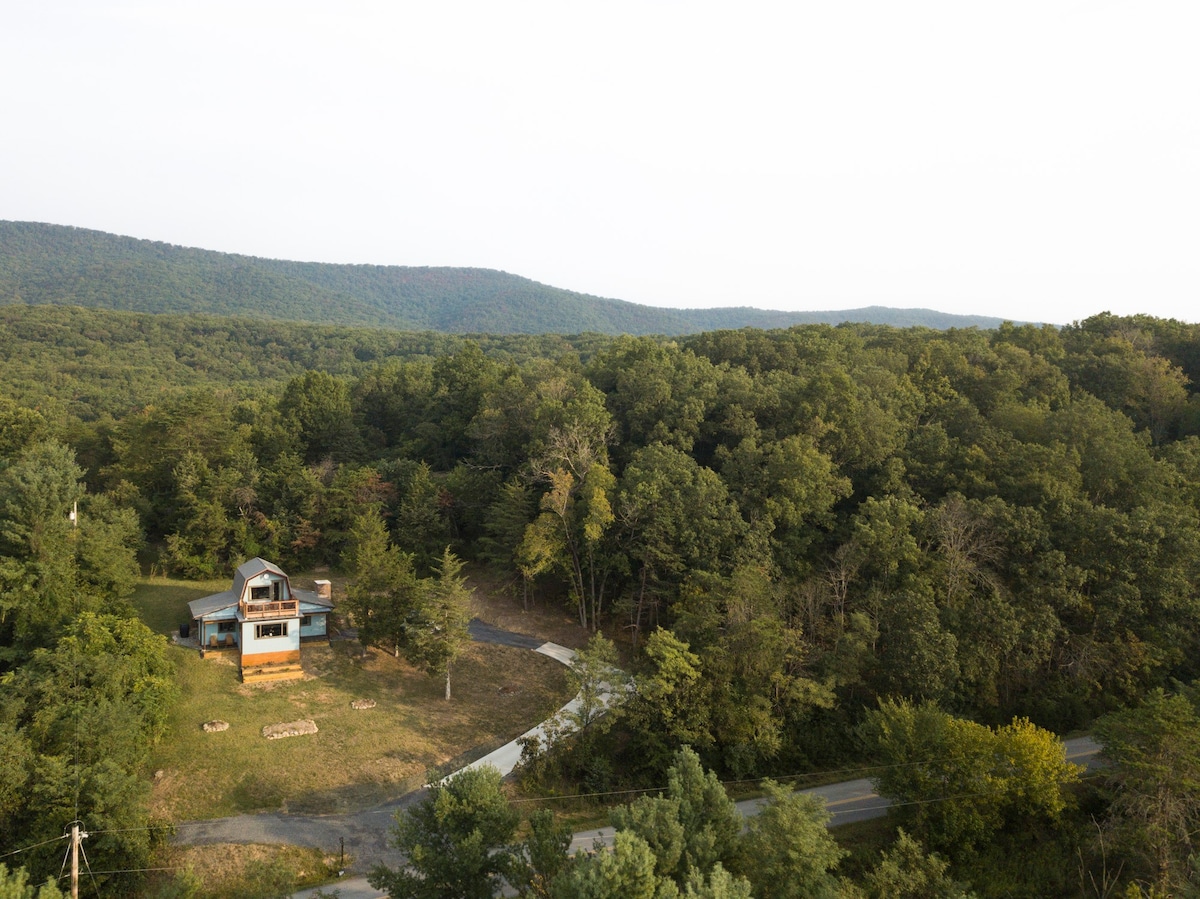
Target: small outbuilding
263,619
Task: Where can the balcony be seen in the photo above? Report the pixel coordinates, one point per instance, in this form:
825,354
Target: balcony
285,609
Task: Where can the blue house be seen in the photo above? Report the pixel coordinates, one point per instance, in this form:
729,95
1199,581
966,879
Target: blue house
263,619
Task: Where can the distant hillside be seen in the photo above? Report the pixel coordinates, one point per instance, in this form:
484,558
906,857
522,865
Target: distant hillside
53,264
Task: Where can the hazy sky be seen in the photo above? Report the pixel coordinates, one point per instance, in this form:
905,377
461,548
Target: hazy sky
1031,160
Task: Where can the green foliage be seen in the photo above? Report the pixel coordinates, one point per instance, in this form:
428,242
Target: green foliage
787,851
906,871
456,841
668,707
719,884
439,630
958,784
595,677
315,418
691,842
41,263
628,870
656,820
421,525
790,525
576,515
384,595
690,829
676,518
16,885
84,715
19,427
1154,753
55,564
710,820
107,539
543,856
424,618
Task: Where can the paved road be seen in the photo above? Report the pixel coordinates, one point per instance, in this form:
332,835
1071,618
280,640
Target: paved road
482,632
849,801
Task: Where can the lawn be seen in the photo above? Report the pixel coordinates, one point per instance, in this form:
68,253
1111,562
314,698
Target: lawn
357,758
162,602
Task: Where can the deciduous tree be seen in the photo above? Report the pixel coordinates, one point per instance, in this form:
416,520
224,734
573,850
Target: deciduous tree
982,780
1154,753
457,841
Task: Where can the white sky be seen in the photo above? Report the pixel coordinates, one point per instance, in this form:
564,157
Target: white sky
1032,160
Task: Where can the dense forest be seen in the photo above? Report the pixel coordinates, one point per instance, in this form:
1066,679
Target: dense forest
813,545
52,264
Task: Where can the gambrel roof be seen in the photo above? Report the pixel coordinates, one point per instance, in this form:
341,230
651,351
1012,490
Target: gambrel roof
252,569
207,605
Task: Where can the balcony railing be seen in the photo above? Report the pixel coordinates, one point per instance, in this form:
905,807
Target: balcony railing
284,609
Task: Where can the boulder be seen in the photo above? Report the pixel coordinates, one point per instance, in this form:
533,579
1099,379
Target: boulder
291,729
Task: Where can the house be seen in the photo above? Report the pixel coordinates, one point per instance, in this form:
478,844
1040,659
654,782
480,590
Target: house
263,619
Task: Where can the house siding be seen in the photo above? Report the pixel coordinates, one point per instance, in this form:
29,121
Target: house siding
210,627
283,657
256,647
317,627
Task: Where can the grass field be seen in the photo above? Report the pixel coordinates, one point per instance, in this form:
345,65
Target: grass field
162,602
357,758
240,870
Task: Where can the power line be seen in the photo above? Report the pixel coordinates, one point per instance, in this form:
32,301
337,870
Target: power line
861,770
137,870
34,846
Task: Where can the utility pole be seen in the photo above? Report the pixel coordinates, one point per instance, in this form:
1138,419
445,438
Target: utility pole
77,838
74,860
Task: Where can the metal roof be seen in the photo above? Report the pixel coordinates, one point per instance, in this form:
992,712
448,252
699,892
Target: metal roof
252,569
206,605
309,598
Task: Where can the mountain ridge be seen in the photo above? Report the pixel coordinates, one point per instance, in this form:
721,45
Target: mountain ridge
65,265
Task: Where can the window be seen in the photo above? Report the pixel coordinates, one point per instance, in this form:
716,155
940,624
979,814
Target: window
260,594
275,629
306,621
226,627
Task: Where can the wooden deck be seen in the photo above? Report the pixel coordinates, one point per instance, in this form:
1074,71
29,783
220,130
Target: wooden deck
288,608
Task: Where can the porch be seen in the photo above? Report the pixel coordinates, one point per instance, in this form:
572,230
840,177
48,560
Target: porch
287,608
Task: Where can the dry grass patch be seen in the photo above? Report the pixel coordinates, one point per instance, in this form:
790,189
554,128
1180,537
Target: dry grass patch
359,757
548,618
243,870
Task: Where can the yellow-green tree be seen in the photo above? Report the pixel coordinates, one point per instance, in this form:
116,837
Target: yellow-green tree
957,783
